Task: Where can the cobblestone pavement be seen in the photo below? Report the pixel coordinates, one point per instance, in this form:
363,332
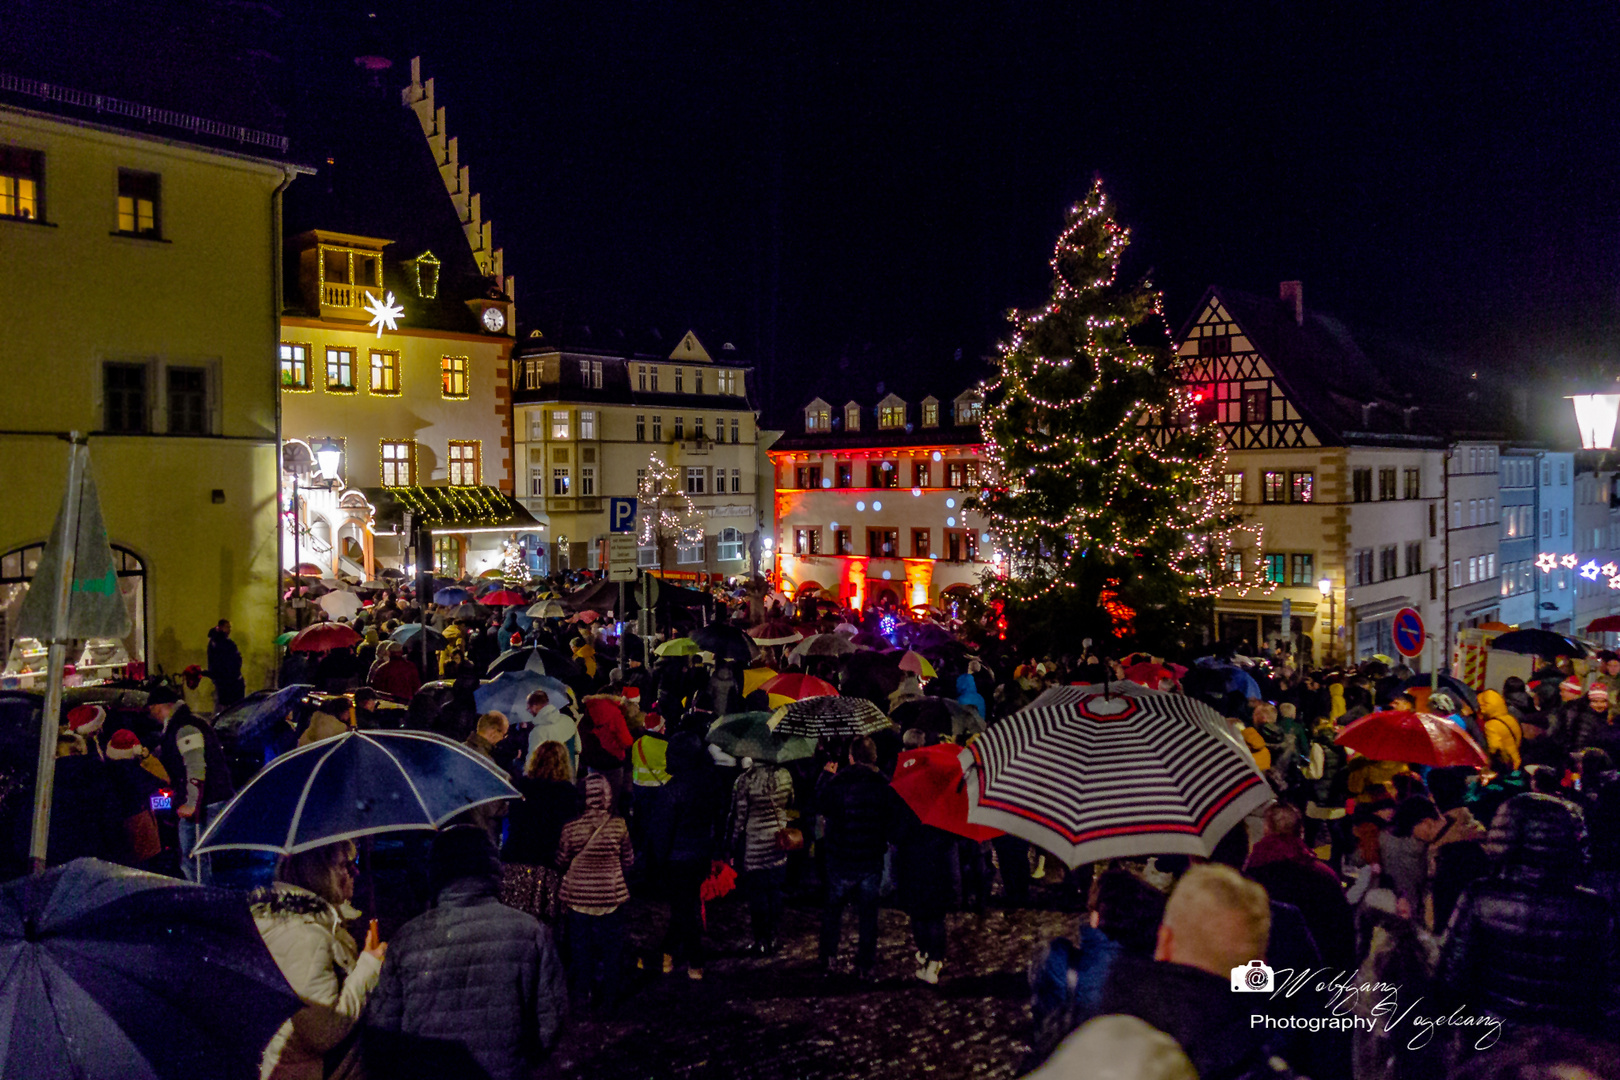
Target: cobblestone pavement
764,1019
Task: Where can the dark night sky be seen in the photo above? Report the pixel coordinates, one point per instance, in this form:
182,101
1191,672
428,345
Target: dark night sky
895,174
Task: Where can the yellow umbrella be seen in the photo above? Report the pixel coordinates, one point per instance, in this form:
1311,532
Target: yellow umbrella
918,664
681,646
754,678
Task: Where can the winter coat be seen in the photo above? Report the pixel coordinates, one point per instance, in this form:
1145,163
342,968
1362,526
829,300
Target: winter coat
688,833
535,823
395,676
1405,860
1527,943
856,805
320,961
471,988
1503,733
217,783
603,734
1130,1046
594,852
1292,874
225,667
1577,725
1067,983
1198,1010
1456,857
923,863
85,818
759,802
1601,805
322,725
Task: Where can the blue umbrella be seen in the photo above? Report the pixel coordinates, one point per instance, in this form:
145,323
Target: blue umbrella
255,716
111,972
1236,679
356,784
509,693
407,634
451,596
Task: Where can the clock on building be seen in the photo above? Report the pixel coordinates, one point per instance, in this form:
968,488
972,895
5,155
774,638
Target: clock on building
494,320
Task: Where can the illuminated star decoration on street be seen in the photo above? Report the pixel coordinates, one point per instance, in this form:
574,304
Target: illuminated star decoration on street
1590,570
384,313
1546,562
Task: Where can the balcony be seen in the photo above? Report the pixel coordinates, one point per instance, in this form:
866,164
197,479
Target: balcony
696,447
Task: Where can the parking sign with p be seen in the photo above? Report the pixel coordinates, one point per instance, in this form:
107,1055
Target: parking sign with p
621,515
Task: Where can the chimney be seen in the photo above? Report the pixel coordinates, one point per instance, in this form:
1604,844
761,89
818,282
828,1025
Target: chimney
1293,292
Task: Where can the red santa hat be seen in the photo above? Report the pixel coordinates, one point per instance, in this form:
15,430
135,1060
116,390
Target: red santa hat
86,720
123,746
1570,685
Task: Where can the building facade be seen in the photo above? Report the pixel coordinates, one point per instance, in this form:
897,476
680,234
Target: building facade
141,279
1519,471
1473,496
592,418
1595,578
869,502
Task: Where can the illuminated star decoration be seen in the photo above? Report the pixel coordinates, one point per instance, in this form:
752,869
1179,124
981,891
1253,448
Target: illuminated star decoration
1569,561
384,313
1590,570
1546,562
1614,583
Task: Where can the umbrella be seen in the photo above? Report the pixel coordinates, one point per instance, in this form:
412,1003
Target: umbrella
110,972
356,784
448,597
917,664
323,636
681,646
340,604
834,644
930,781
1413,737
1149,675
546,609
727,642
867,639
1234,679
254,716
494,573
794,686
756,677
587,616
816,717
924,637
509,693
1453,686
1607,624
502,598
376,583
1087,775
749,734
774,632
391,572
942,716
465,610
1538,643
536,658
282,639
847,628
406,635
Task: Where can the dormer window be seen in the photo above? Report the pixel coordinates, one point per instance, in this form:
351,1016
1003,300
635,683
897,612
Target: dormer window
818,418
930,412
346,275
968,410
852,417
891,412
427,275
337,270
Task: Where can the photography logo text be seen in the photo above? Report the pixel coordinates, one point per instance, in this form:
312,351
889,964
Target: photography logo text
1255,977
1353,1004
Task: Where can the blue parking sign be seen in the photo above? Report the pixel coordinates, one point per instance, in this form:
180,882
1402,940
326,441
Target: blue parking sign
621,515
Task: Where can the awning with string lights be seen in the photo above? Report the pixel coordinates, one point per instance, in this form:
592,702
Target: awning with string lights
451,509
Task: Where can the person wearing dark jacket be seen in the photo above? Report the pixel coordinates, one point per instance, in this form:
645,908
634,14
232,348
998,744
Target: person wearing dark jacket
529,878
1292,874
471,987
922,864
84,819
685,847
856,804
225,666
1600,803
194,758
1529,943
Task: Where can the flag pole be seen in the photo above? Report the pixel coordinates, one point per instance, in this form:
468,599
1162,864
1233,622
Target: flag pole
55,657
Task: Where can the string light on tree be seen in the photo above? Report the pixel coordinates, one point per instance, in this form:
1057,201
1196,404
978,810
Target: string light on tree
668,515
514,568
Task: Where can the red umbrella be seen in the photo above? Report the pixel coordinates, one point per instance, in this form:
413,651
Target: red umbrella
930,781
1606,625
1413,737
774,632
1149,675
323,636
502,598
798,687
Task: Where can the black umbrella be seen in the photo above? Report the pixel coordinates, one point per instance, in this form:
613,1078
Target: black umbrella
535,658
725,641
1538,643
1455,687
942,716
110,972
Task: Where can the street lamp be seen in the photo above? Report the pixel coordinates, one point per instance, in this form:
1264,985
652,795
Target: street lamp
1325,587
328,455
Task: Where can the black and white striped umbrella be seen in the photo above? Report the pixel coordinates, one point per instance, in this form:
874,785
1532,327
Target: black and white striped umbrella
1088,775
827,715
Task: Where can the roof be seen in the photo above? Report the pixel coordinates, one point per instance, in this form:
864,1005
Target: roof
450,509
947,433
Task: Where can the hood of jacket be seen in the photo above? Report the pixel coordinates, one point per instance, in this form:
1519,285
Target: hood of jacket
1492,706
598,794
1537,838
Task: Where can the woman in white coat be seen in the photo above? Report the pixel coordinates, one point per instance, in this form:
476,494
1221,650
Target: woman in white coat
301,919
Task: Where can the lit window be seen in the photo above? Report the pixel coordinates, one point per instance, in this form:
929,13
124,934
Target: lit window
852,417
21,172
398,463
457,381
138,202
1302,488
587,423
968,412
294,366
892,416
1276,566
384,372
340,370
730,543
817,420
930,414
560,427
464,463
1232,483
559,481
1271,487
725,382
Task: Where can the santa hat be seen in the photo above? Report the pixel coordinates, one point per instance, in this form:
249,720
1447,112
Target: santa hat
123,746
1598,693
86,719
1570,685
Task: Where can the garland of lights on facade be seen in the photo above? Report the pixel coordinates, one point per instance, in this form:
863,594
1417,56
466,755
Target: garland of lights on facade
1090,436
667,512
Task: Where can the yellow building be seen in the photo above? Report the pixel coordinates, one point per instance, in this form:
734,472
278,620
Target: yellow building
141,274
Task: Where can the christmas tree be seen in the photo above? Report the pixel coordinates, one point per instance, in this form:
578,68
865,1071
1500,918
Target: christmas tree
668,515
1101,491
514,568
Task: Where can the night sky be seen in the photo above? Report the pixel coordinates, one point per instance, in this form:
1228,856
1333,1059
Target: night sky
860,190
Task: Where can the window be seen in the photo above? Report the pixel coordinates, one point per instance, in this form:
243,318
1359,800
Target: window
1256,406
1301,486
807,541
883,543
646,555
22,174
680,377
930,414
1361,567
457,381
1456,573
892,416
1490,565
852,417
138,202
730,545
695,478
1361,485
720,430
921,543
641,377
1413,483
384,373
808,476
1233,565
843,542
697,380
955,474
587,423
1490,511
641,481
725,381
1473,569
1456,513
736,481
658,429
464,464
1388,563
340,370
968,412
1301,566
680,428
697,428
398,461
1546,473
653,374
447,555
919,475
590,374
188,400
1414,558
560,484
1271,487
1276,567
734,430
1473,511
1563,474
641,427
1215,345
844,475
883,474
125,398
294,366
1232,482
689,551
1563,521
561,427
1546,523
817,420
587,479
1386,484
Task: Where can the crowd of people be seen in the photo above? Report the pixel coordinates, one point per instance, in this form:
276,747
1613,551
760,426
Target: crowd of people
1489,893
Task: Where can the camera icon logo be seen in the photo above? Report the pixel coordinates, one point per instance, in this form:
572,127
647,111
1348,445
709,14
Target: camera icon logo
1254,978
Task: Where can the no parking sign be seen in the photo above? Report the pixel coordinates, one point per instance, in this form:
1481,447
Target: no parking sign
1407,630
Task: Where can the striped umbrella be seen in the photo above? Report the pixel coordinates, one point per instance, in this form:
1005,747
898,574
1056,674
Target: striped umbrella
1087,774
815,717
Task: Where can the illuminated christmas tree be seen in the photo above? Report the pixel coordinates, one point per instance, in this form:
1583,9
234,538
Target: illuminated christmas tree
667,514
1102,493
514,568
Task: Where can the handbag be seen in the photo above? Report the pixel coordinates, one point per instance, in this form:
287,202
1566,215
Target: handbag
789,839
